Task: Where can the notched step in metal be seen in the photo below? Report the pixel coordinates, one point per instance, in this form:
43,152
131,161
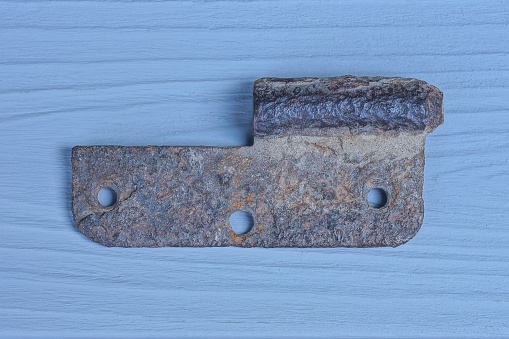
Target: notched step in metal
321,145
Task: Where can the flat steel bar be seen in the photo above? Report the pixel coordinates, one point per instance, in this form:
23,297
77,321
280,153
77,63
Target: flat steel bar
320,146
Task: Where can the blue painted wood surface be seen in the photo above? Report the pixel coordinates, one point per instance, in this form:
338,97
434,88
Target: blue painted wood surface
180,73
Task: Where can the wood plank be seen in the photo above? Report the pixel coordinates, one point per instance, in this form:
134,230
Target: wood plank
181,73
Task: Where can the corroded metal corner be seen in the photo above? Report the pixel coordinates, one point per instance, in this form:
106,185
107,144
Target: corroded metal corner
320,146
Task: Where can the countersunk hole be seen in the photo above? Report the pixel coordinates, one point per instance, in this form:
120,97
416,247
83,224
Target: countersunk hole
107,197
377,198
241,222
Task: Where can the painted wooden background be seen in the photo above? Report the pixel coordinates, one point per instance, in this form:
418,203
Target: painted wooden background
180,73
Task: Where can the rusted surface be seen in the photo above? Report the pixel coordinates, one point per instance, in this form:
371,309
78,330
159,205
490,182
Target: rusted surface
348,104
320,146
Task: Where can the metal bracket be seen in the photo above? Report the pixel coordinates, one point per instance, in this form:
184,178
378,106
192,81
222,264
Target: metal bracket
320,146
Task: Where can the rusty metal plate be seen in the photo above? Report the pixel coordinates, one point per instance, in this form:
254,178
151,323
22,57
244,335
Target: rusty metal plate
320,146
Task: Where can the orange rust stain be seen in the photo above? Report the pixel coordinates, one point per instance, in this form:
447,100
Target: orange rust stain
250,198
260,228
229,159
237,205
239,239
395,193
234,238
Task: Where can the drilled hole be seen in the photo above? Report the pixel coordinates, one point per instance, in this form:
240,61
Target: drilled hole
241,222
107,197
377,198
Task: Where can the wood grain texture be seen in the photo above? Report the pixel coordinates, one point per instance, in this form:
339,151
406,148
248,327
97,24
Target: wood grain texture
181,73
